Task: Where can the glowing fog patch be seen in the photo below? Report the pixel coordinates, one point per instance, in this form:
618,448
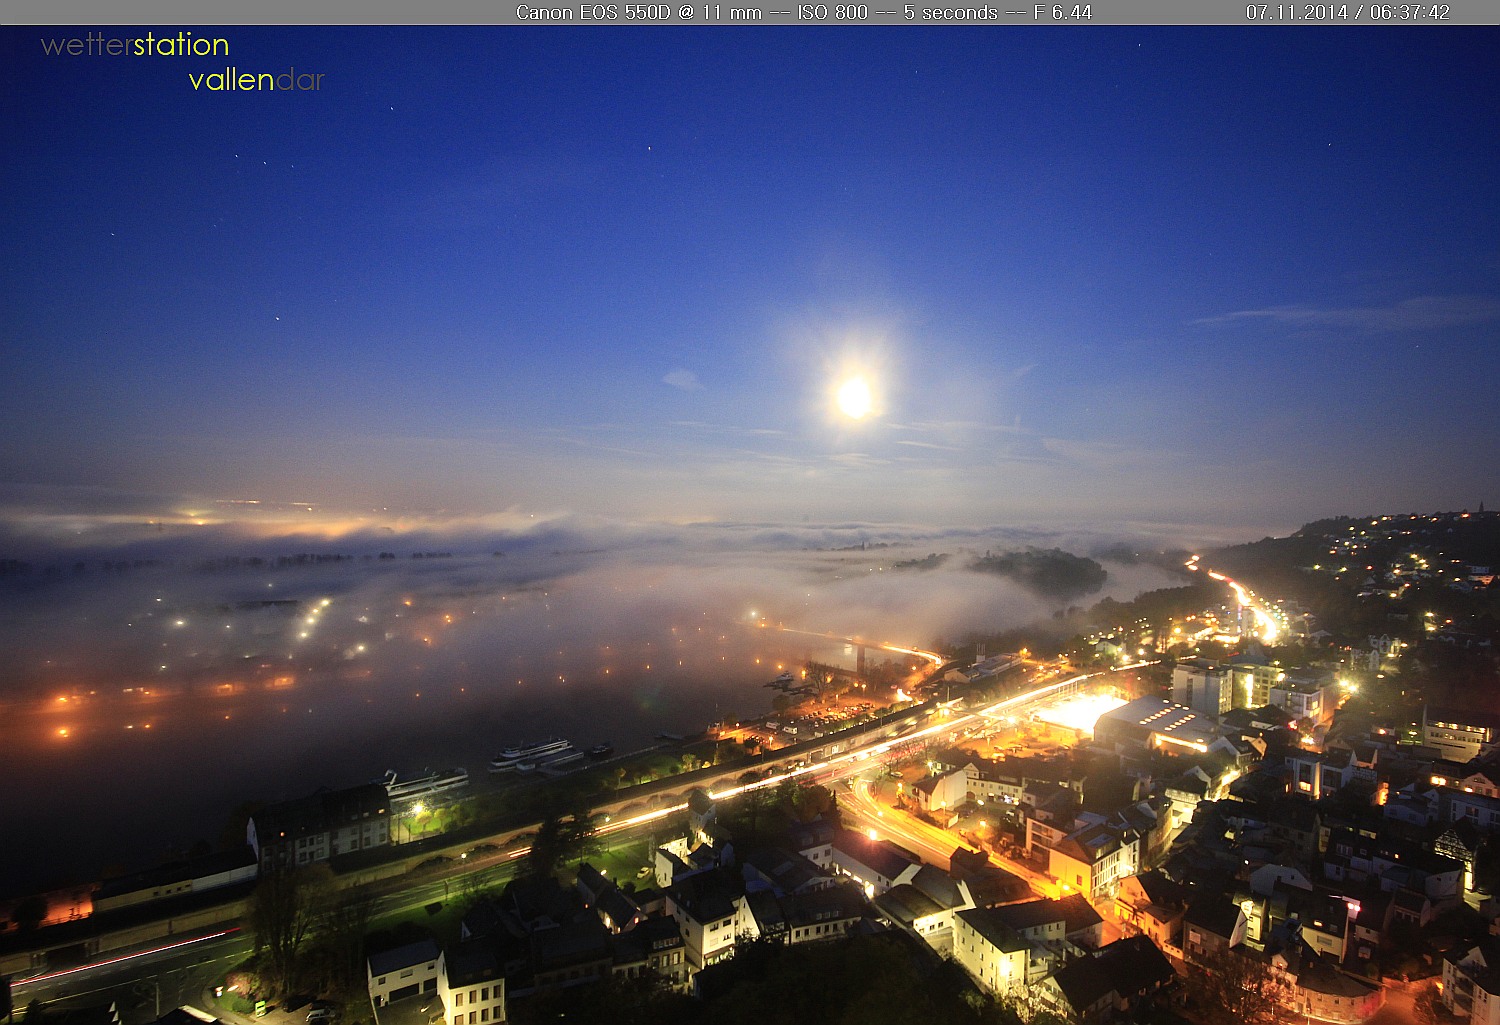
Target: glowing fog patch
1080,712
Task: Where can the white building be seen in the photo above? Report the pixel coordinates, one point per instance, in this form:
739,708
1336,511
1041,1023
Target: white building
472,984
1204,686
405,971
1471,985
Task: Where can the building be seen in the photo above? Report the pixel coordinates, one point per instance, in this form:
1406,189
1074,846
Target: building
1253,680
1205,686
653,947
997,957
1152,905
192,876
404,971
1011,947
925,906
1212,925
320,826
1305,696
1093,860
1320,990
472,985
1460,735
823,914
877,865
711,911
1152,723
1471,983
1111,983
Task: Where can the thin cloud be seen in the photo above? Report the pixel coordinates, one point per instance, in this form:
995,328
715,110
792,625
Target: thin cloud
928,444
743,432
956,426
1424,313
686,380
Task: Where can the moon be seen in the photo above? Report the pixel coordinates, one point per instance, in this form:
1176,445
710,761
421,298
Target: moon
854,399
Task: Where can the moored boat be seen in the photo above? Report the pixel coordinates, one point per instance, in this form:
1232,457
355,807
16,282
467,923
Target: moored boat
511,758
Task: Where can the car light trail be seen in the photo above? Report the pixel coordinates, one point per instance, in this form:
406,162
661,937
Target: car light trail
128,957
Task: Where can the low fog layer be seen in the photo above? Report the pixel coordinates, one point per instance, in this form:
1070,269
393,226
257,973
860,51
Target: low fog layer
154,685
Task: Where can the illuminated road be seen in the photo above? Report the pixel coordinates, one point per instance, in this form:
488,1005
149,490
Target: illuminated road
933,845
1267,619
947,722
925,839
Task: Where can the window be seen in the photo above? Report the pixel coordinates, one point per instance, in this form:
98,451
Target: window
484,1014
458,999
484,994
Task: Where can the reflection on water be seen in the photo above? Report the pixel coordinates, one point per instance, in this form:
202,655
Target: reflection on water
111,780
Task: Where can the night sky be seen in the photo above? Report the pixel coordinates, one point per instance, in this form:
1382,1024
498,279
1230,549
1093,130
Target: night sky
1200,276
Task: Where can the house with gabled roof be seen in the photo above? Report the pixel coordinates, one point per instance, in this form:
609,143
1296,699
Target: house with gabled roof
782,870
995,954
472,984
1471,983
877,865
710,911
1094,859
1151,904
407,970
1109,984
824,914
925,906
654,946
814,841
941,792
1212,925
988,883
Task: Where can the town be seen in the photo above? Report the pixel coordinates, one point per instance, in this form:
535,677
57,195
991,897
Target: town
1163,820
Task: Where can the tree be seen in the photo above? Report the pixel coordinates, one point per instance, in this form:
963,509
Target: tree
1427,1007
820,677
1231,988
342,922
547,848
472,889
581,835
283,908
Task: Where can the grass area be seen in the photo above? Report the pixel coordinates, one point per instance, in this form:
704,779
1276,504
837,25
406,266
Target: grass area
623,863
444,924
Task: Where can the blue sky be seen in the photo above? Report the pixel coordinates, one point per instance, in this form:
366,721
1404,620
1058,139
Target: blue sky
1212,276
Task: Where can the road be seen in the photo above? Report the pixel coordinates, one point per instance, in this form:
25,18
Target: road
933,845
1268,620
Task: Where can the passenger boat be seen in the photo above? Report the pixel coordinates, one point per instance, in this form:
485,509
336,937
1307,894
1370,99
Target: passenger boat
511,758
567,754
